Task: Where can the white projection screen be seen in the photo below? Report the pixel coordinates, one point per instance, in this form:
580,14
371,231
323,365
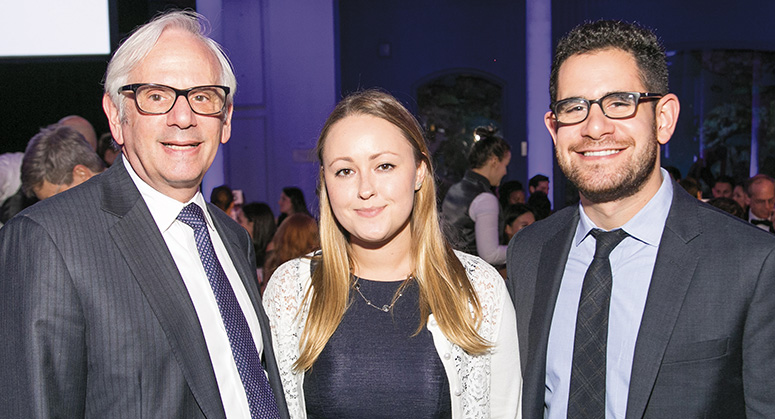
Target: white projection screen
42,28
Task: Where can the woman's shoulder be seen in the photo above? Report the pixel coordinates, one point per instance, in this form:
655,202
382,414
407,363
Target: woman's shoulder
483,276
476,268
490,290
289,278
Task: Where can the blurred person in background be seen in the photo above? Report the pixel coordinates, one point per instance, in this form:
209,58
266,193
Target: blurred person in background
471,212
83,126
728,205
511,192
723,187
258,220
291,202
57,159
516,217
295,237
107,149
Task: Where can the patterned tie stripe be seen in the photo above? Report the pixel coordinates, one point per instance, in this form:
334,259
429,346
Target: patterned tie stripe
588,372
260,398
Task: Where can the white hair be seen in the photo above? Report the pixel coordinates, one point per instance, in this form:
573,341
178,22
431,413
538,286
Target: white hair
139,44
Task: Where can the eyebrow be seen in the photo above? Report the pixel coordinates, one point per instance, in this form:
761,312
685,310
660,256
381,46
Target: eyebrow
372,157
604,95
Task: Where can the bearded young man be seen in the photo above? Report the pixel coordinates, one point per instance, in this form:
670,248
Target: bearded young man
678,320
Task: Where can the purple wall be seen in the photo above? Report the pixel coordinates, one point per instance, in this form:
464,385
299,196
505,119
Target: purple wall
284,58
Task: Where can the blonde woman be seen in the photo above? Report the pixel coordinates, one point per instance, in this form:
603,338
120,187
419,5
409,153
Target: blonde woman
387,320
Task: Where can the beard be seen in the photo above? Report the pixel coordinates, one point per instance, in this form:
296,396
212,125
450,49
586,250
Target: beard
601,183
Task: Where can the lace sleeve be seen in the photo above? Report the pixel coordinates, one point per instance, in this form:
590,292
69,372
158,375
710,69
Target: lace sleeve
496,376
283,300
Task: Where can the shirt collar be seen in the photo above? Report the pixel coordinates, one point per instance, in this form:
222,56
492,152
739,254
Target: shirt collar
164,209
752,217
647,225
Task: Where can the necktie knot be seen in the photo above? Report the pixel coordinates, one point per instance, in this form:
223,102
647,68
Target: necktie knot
606,241
193,216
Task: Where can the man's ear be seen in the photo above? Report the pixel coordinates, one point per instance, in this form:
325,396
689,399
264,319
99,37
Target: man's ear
81,174
114,120
551,125
226,129
666,116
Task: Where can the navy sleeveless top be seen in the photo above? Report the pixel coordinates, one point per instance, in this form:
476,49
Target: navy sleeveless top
372,367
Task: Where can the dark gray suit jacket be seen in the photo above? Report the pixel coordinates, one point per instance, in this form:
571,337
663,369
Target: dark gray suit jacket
95,318
706,343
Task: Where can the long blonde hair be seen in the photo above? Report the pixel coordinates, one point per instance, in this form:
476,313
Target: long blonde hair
444,287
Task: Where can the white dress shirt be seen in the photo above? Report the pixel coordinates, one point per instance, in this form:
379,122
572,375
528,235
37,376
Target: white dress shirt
180,241
752,217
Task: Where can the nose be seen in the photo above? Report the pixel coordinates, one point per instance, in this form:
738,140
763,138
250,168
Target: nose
365,186
597,124
181,114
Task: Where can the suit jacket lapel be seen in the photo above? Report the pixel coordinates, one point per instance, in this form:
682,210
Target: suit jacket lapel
551,266
145,252
673,272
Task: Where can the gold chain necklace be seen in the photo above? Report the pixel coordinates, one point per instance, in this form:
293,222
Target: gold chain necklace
385,308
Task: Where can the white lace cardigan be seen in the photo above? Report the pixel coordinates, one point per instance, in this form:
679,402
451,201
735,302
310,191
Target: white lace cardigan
481,386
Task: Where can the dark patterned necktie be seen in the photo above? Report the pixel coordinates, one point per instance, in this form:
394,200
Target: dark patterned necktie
587,381
260,398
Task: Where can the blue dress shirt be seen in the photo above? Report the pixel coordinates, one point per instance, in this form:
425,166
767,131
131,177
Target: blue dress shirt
632,264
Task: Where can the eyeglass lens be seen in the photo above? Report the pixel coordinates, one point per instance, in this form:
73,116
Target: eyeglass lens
615,105
206,100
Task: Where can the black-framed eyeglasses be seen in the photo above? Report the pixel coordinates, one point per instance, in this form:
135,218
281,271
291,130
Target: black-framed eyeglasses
617,105
158,99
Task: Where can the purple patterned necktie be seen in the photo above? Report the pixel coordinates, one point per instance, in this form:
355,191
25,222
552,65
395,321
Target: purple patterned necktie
587,381
260,398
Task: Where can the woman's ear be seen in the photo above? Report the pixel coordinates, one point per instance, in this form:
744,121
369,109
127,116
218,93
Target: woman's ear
419,177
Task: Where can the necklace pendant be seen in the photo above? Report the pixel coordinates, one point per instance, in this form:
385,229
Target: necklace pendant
385,308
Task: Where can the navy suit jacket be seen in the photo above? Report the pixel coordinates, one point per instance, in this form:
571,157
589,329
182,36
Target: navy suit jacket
95,319
706,343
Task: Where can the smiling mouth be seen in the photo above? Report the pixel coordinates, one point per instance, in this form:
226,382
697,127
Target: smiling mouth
369,212
180,146
601,153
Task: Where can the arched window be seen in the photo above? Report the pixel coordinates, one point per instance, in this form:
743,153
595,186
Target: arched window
451,106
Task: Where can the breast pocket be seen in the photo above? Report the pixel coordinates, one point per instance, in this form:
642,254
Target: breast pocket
695,351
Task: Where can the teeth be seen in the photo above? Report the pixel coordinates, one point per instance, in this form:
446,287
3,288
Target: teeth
179,147
600,153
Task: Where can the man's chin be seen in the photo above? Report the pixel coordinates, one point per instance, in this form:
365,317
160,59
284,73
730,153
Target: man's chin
604,195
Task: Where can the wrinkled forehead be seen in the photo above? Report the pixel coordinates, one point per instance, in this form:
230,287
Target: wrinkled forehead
178,55
763,189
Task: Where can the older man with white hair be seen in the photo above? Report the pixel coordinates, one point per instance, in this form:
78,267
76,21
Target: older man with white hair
130,296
